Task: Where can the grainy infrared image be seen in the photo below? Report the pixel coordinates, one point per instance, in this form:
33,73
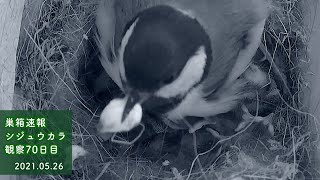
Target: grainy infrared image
159,89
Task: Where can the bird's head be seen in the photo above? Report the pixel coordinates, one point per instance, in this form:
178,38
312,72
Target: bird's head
164,53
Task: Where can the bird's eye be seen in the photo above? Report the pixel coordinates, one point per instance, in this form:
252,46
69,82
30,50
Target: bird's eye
169,80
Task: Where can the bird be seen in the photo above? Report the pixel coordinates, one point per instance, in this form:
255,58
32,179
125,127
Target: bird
179,59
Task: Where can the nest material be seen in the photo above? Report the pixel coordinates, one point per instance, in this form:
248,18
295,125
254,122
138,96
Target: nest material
56,60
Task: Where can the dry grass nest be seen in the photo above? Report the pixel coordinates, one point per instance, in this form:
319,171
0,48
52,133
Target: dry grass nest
57,59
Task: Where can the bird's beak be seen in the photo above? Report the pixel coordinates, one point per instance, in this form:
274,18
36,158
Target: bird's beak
132,99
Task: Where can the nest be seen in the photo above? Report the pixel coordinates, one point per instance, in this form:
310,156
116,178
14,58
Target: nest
57,61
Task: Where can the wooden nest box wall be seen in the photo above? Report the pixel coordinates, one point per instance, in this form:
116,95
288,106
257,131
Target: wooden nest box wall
12,28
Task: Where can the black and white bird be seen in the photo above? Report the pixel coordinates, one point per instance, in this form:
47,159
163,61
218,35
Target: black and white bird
182,58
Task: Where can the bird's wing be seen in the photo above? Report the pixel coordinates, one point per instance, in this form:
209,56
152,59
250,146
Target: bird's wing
235,28
105,24
236,42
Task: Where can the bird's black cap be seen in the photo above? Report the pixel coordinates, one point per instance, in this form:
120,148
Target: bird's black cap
160,45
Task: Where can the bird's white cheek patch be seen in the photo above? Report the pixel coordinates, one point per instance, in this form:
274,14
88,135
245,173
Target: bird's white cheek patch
189,76
188,13
110,119
122,48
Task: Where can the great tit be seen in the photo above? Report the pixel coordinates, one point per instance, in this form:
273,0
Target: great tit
179,59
